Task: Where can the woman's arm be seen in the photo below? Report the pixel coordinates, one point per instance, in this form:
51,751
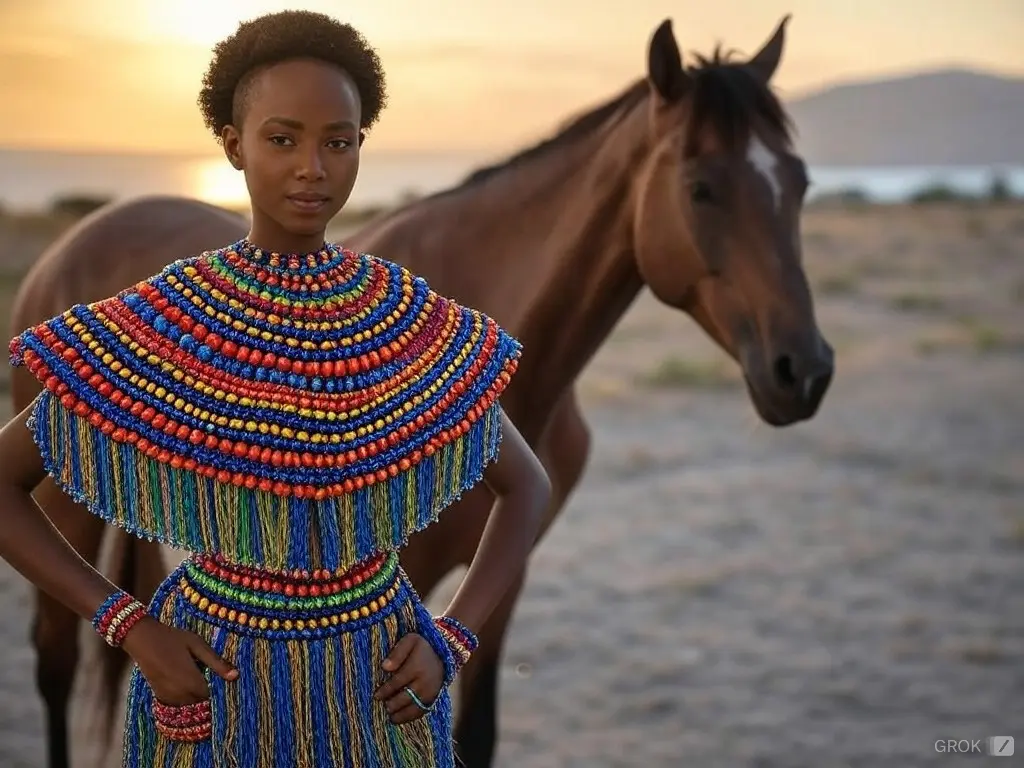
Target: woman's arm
28,540
36,549
522,490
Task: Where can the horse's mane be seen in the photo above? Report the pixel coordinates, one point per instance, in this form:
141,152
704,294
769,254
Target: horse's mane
732,98
724,92
572,129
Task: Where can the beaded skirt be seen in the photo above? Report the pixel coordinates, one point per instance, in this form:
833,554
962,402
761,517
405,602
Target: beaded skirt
309,648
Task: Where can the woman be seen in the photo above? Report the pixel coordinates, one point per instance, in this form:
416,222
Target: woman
290,412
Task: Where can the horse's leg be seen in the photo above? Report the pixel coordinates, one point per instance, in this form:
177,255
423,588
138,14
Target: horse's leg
563,450
55,628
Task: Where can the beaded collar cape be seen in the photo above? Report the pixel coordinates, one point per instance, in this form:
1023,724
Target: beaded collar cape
294,412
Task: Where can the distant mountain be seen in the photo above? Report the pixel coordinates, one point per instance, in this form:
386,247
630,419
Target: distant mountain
945,117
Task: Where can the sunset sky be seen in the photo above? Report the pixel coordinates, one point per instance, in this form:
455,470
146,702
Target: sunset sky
464,74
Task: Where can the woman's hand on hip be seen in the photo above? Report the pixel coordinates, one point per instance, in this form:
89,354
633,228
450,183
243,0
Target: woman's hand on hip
170,661
413,665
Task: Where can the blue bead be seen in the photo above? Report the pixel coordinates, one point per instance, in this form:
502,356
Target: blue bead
188,342
160,324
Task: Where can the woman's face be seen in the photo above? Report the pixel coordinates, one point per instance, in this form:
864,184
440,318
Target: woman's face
298,145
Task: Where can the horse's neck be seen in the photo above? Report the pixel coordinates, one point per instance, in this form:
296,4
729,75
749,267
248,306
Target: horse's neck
544,246
561,282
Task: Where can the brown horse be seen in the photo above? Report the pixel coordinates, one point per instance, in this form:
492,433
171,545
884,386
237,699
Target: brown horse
686,182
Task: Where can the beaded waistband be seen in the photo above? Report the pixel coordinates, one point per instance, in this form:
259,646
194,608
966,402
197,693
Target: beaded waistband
291,604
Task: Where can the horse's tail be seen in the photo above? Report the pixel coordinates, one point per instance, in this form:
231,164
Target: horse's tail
137,566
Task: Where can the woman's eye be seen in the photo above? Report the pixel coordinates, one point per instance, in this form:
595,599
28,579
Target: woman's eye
339,143
281,141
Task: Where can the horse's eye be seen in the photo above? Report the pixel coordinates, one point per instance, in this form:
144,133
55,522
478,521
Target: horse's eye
700,192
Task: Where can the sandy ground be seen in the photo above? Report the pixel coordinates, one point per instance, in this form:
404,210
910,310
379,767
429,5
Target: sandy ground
719,593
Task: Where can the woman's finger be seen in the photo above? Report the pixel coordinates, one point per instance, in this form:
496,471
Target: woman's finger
406,675
407,713
402,650
209,657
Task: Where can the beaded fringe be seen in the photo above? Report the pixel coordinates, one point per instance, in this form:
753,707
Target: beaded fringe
298,702
199,514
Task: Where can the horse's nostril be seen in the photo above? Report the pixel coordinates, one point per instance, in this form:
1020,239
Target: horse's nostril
784,375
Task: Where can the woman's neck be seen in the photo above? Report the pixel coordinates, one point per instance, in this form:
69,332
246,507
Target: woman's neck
273,238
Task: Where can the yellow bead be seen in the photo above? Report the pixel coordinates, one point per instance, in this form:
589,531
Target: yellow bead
364,611
299,625
204,604
287,624
263,623
353,615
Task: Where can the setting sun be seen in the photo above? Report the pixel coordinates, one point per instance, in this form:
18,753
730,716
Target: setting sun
217,182
201,22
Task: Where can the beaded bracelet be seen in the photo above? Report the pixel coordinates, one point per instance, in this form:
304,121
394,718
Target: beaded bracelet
185,723
118,614
460,639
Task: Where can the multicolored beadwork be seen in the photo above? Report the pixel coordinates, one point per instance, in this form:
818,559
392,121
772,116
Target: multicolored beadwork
289,605
185,723
459,637
116,616
286,411
308,647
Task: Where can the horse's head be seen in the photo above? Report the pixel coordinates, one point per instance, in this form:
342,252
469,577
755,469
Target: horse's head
718,221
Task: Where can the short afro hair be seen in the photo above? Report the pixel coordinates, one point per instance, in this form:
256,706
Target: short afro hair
283,36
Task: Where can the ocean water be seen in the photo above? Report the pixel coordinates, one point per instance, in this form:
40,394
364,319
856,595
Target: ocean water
30,180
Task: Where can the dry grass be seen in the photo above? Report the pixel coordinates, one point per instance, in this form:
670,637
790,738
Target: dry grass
679,373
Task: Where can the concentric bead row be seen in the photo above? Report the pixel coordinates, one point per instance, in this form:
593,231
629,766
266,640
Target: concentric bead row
288,601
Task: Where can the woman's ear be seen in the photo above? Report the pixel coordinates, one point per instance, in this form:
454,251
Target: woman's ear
232,142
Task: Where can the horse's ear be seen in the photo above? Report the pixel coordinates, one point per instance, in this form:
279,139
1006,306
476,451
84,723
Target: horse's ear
664,64
766,61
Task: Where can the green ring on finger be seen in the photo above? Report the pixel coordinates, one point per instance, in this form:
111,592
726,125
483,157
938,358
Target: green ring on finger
416,699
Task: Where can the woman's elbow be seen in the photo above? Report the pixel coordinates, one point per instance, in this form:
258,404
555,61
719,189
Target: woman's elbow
535,486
